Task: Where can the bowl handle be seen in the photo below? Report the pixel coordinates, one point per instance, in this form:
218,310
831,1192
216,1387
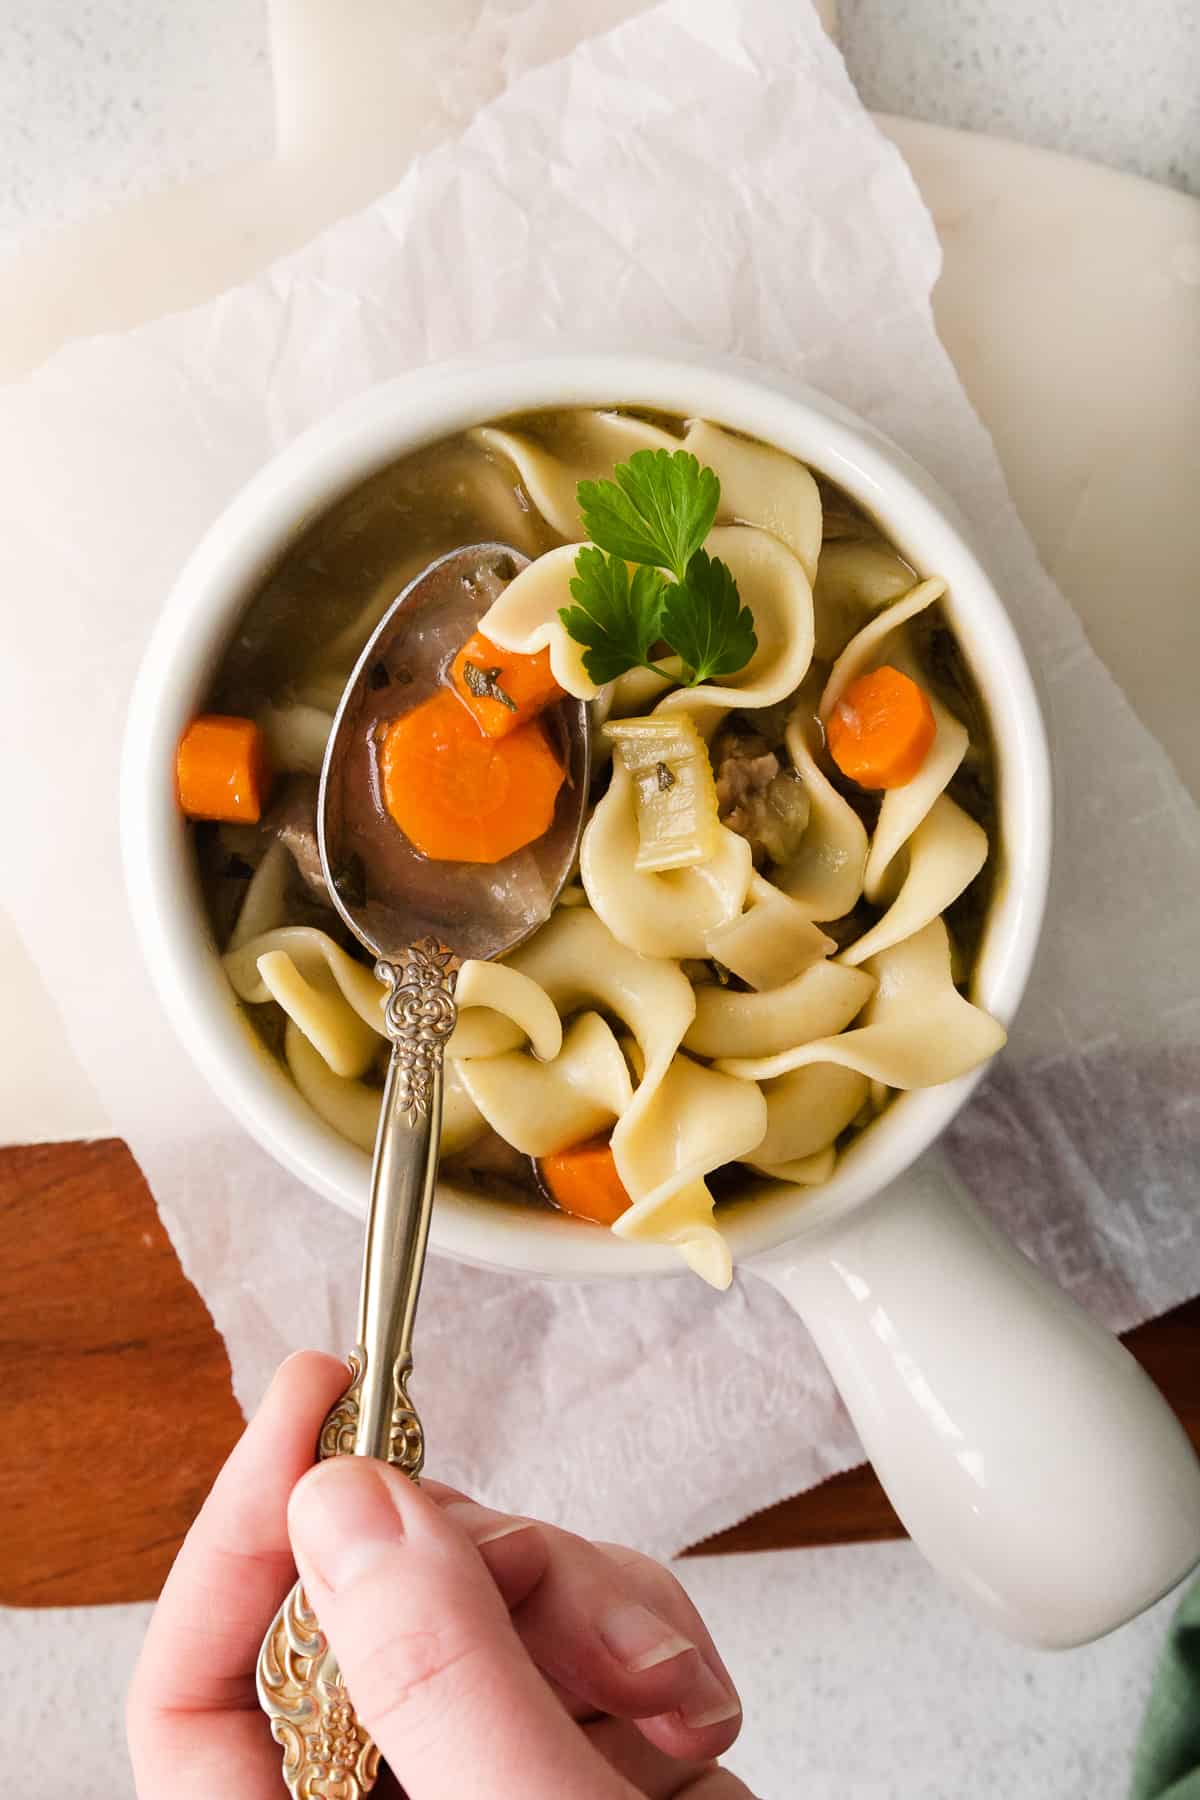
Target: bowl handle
1031,1459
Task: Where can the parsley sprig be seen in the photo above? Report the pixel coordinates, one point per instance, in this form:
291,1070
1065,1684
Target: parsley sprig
655,513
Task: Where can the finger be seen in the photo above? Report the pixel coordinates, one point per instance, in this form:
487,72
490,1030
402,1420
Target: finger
236,1563
713,1784
191,1707
611,1629
652,1577
656,1775
648,1770
570,1615
423,1637
674,1731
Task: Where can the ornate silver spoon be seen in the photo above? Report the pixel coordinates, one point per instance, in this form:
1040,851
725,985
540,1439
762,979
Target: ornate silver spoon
417,919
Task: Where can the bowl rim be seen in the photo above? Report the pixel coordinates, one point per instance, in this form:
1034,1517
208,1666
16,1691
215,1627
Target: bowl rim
332,457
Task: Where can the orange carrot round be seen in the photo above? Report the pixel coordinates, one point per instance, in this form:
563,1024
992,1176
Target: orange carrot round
583,1181
459,796
222,770
881,729
503,688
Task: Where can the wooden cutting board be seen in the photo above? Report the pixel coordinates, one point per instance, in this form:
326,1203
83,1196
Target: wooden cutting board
117,1409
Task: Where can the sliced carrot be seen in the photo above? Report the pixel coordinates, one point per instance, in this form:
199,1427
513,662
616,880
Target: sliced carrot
460,796
503,688
583,1181
222,770
881,729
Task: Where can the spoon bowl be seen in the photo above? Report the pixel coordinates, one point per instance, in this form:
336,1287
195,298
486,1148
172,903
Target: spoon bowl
388,894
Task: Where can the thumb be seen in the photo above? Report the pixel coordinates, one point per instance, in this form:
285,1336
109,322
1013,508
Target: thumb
436,1672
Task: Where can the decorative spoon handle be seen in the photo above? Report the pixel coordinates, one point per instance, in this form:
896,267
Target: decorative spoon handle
325,1749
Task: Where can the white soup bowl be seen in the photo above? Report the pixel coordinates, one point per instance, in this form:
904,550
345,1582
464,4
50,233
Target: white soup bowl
1022,1446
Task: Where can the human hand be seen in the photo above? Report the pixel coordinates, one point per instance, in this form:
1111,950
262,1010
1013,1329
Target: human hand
486,1655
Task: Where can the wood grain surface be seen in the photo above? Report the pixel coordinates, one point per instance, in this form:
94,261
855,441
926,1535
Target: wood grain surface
116,1409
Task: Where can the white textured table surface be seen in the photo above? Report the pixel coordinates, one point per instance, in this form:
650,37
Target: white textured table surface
120,98
1117,83
863,1679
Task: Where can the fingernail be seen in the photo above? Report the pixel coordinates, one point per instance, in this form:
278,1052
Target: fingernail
710,1701
481,1524
343,1520
638,1639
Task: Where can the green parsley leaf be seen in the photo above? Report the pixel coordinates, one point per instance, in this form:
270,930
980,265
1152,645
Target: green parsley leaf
616,618
485,685
657,510
705,623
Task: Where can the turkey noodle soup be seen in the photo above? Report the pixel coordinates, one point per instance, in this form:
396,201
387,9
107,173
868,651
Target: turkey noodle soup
790,839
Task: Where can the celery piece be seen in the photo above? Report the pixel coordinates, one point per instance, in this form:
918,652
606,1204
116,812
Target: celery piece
674,791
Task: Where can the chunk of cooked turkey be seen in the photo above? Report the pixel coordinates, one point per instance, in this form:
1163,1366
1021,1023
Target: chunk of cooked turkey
293,820
757,797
